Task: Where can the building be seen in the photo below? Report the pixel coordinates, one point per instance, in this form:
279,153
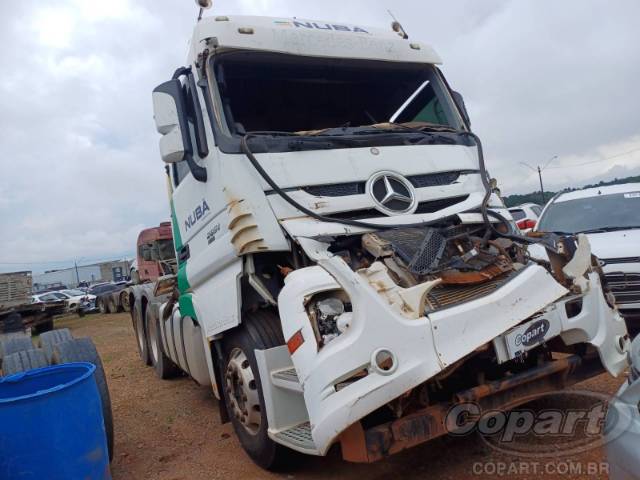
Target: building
114,271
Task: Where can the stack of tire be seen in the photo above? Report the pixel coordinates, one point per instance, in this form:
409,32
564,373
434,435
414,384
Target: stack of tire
19,354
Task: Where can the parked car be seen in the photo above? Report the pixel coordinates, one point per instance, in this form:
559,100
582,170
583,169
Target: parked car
75,300
98,288
526,215
623,424
48,297
79,300
610,217
104,293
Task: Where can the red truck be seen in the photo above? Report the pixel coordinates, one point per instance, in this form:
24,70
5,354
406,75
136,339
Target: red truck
155,257
155,254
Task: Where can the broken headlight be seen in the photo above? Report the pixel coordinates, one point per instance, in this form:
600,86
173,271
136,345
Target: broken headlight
330,315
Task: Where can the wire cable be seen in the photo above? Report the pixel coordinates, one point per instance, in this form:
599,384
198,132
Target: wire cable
244,144
486,213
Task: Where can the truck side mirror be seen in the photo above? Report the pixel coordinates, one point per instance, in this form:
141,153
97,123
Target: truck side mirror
459,101
170,114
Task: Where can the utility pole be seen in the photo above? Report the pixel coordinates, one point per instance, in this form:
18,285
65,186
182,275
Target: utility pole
541,187
540,170
75,263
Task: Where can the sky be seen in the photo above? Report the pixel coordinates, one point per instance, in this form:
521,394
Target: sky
81,173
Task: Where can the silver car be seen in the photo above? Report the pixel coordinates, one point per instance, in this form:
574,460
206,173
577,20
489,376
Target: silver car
623,424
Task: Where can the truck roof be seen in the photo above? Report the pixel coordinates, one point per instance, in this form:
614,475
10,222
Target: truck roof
161,232
314,38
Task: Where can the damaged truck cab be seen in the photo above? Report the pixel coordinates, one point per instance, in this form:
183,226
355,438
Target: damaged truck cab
346,273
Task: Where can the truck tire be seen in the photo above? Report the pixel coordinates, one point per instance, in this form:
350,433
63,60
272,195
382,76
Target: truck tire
23,361
102,306
5,337
112,307
83,350
43,327
162,364
124,302
48,340
141,335
11,323
16,344
242,390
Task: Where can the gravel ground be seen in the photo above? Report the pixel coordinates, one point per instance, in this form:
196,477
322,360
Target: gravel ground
171,430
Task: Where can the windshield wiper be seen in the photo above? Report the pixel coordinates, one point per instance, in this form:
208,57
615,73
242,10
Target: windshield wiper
609,229
556,232
425,127
275,133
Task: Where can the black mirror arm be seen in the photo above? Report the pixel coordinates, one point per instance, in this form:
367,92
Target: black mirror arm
180,72
198,172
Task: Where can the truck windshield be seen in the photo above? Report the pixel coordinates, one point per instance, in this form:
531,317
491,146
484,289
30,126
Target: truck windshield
286,93
164,250
593,214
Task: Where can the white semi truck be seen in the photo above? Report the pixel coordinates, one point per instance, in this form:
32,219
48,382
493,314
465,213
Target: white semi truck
346,273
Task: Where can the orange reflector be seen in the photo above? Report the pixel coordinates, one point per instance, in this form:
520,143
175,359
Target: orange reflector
295,342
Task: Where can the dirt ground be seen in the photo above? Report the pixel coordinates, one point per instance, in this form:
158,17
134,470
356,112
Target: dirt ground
170,430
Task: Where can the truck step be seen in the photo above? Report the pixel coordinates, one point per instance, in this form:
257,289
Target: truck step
298,437
286,378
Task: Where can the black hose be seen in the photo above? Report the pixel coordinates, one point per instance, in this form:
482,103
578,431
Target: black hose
484,206
486,213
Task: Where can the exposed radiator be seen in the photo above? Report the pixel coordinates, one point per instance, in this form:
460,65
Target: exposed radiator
445,296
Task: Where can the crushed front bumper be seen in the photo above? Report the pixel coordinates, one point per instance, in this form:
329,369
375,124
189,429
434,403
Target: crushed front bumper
421,347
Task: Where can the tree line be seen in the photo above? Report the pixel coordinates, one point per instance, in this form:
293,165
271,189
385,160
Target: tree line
535,197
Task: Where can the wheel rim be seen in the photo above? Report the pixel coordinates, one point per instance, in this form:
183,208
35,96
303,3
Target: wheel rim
242,391
140,331
124,301
153,340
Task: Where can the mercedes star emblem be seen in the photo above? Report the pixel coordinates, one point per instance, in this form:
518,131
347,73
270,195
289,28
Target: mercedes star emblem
393,194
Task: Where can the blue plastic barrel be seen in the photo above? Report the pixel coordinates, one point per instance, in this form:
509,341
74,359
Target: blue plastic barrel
51,425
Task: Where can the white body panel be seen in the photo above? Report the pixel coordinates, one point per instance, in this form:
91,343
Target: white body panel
459,330
311,38
424,346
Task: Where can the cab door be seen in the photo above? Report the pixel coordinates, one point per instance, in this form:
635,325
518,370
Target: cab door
197,203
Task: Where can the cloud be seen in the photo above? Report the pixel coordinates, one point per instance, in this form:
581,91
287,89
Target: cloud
81,170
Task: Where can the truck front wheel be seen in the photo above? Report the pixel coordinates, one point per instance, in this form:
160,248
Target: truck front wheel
242,388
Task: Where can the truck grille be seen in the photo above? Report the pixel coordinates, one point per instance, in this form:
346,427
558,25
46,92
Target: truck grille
625,287
336,190
423,207
611,261
445,296
358,188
